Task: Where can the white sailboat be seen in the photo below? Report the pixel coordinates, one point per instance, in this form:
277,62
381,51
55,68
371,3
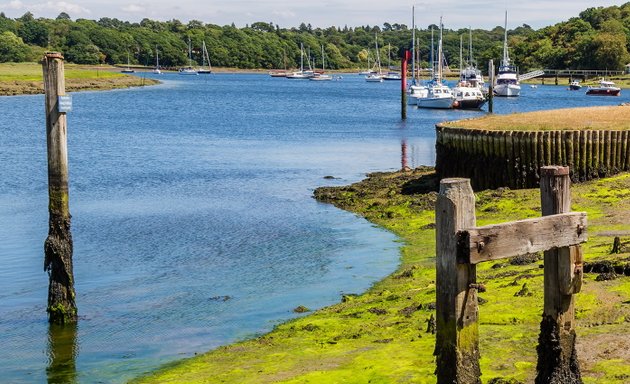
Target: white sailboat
157,70
204,56
189,70
301,74
468,93
128,69
322,76
415,90
439,95
390,75
377,76
507,83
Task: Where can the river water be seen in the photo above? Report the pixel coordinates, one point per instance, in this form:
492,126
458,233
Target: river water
193,219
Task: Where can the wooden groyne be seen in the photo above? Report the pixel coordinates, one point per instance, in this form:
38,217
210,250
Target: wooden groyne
502,158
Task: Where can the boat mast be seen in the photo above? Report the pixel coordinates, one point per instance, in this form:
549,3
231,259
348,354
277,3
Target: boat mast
157,58
470,55
440,53
301,57
378,55
413,45
506,56
432,57
461,56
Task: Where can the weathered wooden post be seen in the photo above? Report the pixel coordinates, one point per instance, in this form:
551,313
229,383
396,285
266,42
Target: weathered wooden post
557,357
491,86
457,337
58,245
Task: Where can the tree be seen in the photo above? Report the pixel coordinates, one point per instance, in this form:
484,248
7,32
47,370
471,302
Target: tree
63,16
12,48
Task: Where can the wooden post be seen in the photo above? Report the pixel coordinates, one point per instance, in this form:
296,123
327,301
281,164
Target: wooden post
457,337
557,357
403,85
58,245
491,86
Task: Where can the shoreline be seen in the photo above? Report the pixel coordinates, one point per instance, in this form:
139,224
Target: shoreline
354,340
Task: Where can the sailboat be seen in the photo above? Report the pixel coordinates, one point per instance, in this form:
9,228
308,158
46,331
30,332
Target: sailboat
189,70
391,75
157,70
127,70
468,93
377,76
321,76
302,74
415,90
439,95
507,83
204,56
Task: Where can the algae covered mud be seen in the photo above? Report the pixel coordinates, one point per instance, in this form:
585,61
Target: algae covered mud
195,227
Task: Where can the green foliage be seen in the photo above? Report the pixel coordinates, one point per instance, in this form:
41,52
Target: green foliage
598,38
12,48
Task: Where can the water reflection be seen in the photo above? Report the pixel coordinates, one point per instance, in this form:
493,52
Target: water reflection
62,354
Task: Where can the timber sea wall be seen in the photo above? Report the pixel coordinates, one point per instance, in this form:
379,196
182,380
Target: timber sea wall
503,158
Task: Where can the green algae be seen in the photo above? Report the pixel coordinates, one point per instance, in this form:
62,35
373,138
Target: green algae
381,335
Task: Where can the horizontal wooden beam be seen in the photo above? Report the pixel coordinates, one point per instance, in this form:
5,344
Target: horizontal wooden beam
500,241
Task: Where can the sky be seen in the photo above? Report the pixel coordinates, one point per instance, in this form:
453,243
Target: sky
483,14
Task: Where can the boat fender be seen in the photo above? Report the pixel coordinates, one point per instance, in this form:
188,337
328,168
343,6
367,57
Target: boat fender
455,103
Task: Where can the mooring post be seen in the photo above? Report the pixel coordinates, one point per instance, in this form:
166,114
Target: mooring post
58,245
557,357
491,86
457,333
403,85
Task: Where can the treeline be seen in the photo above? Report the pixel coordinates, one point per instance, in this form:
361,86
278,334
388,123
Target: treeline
598,38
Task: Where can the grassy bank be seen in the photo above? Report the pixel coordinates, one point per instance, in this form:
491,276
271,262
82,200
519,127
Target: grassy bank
27,79
383,335
608,118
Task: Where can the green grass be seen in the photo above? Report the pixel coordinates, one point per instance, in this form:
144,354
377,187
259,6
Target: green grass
33,72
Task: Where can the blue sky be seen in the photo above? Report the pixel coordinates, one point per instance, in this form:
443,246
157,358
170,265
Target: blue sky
483,14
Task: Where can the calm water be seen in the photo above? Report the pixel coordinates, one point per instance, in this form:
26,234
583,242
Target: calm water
193,221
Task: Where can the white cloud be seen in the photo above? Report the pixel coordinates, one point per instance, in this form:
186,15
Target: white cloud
15,4
60,6
134,8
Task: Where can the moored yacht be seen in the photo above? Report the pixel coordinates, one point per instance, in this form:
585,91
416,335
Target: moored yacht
507,82
438,94
605,88
469,92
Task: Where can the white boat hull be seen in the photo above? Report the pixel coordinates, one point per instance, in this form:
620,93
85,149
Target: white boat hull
507,90
435,102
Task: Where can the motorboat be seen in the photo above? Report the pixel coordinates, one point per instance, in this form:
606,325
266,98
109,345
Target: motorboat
439,96
575,85
507,81
605,88
392,76
465,96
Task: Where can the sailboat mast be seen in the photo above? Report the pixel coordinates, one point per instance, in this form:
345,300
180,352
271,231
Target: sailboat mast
506,57
461,55
301,57
470,55
413,44
378,55
432,56
157,57
440,52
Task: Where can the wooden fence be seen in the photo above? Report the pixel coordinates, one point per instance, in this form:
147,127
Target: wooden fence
492,159
461,245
